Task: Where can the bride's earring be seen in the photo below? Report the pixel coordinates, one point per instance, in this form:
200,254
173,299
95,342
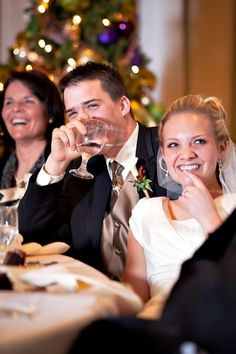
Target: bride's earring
220,164
163,167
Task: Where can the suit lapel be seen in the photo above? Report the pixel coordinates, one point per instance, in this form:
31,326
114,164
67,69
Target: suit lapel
146,153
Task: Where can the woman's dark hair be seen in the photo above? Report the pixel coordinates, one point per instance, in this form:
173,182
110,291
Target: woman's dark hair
45,90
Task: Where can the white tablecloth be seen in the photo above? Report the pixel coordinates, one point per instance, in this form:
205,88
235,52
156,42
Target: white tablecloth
59,316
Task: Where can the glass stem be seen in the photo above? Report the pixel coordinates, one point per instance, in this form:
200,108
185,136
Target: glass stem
83,165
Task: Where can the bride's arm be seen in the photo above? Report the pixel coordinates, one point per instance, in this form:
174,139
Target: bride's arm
135,268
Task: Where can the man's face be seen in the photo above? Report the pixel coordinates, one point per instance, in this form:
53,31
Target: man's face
87,99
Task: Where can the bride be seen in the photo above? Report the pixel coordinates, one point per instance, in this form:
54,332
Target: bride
197,159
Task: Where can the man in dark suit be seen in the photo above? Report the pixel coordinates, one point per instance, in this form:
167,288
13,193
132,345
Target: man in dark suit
201,309
59,206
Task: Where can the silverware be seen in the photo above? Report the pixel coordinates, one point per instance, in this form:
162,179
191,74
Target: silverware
38,263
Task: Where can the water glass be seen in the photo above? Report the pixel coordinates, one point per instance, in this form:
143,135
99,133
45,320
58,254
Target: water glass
8,228
89,145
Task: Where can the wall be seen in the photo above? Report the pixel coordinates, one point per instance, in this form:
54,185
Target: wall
11,22
211,51
192,47
161,37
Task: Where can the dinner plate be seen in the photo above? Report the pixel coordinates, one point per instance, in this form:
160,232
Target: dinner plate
61,277
121,289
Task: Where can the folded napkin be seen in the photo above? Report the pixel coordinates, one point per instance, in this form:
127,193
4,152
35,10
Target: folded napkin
35,249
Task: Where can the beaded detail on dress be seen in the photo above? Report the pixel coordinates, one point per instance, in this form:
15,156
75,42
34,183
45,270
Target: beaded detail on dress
188,229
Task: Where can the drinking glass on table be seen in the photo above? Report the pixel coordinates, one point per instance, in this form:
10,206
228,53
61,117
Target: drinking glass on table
8,228
90,144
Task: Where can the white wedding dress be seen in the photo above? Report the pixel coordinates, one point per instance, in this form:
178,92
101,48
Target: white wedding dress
168,243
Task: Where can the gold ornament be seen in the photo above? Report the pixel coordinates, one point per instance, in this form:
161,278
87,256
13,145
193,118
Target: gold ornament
142,115
86,53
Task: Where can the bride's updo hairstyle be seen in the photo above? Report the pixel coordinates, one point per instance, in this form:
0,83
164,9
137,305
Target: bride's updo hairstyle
209,106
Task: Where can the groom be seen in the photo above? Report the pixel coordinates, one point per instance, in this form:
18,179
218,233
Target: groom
58,206
201,308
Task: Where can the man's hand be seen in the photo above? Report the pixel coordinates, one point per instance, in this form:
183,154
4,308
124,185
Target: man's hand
63,147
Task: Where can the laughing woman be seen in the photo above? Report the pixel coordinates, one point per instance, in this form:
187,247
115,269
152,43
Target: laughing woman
31,107
196,159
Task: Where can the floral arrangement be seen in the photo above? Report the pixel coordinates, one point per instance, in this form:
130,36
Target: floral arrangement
142,183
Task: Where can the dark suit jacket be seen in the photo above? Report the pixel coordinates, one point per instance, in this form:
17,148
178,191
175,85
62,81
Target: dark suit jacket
72,210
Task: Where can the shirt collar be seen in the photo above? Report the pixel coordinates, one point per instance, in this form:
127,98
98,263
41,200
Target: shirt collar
127,154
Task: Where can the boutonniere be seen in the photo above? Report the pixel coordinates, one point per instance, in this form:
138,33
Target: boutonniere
142,183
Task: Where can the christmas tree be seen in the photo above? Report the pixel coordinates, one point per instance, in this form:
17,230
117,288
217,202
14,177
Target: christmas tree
60,34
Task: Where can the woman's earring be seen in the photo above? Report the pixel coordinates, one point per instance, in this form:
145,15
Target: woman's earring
220,164
164,168
50,121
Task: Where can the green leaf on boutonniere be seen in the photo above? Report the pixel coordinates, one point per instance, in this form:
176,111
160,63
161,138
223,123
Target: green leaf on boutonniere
142,183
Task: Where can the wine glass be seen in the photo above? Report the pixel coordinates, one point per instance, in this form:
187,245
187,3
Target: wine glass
89,145
8,228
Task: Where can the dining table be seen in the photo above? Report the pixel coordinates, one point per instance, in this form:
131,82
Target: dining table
52,299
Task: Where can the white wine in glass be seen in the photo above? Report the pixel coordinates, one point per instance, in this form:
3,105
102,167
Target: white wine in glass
89,145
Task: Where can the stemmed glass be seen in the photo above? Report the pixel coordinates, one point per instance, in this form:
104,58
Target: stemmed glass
8,228
89,145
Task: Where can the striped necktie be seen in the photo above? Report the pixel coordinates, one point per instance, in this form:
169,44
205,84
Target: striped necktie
117,180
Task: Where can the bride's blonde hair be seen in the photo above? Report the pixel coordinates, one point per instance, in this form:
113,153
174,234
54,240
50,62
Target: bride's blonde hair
198,104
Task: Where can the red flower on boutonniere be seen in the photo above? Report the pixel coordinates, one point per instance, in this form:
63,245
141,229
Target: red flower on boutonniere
142,183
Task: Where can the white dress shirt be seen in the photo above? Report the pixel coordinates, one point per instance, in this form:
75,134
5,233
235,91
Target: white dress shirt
127,156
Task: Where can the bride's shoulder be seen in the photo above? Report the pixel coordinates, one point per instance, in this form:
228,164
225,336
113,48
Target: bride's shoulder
226,201
146,201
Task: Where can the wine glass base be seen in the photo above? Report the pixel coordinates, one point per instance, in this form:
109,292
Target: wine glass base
81,174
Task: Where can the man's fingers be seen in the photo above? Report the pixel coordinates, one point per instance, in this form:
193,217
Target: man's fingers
66,135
